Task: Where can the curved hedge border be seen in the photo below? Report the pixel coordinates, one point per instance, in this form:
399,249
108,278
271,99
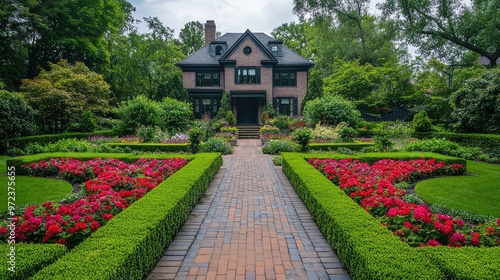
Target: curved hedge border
29,259
485,141
153,147
368,250
130,244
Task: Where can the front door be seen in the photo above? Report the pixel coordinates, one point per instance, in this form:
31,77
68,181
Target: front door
247,110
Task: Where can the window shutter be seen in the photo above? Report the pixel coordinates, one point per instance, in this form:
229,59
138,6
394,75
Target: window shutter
236,75
257,74
275,104
295,106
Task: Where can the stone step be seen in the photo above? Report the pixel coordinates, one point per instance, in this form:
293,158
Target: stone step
248,132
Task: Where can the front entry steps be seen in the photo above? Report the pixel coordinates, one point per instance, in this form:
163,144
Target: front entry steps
248,131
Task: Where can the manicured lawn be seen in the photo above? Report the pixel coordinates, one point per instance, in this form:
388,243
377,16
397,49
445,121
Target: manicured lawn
33,190
477,194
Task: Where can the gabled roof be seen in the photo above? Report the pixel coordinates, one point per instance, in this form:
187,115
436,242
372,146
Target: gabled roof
204,57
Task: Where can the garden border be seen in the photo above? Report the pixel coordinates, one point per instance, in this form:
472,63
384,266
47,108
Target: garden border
365,247
131,243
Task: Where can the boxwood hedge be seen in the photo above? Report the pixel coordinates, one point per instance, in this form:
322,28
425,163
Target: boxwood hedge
154,147
29,258
368,250
22,142
130,244
335,146
485,141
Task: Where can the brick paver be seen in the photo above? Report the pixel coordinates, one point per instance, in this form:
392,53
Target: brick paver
250,224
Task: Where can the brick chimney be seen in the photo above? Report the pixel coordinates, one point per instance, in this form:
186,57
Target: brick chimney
209,31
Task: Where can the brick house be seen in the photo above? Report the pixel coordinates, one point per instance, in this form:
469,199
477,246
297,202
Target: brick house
253,68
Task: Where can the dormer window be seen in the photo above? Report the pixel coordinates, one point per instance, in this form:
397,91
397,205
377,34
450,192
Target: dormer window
218,50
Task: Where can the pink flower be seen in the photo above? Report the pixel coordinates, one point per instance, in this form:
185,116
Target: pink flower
457,240
433,243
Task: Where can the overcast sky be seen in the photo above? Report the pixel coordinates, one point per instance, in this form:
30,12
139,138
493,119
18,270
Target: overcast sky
229,15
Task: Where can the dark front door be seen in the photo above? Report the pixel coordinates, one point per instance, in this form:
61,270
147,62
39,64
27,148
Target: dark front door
247,110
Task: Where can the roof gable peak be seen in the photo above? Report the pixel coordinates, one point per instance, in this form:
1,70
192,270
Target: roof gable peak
241,39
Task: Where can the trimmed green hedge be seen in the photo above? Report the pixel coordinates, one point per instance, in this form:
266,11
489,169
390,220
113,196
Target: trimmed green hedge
368,250
22,142
130,244
335,146
153,147
29,259
485,141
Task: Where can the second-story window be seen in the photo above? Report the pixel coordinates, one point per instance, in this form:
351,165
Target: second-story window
247,75
207,79
285,78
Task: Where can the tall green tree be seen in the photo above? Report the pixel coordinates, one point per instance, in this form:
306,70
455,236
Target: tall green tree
192,37
448,29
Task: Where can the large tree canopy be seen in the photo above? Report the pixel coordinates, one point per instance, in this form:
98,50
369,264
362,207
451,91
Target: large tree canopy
448,28
192,37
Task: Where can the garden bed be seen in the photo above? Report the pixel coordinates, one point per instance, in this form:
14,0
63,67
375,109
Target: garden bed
130,244
365,247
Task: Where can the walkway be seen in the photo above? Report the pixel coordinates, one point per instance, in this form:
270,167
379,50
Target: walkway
250,224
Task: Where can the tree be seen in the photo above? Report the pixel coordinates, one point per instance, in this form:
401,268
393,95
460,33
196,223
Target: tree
60,95
477,104
192,37
224,106
16,116
293,35
448,29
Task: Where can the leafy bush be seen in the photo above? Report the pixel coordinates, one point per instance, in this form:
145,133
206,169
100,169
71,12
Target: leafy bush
65,145
277,160
325,132
282,122
195,138
476,104
217,145
421,122
302,136
136,112
177,115
224,107
231,129
275,147
267,129
435,145
332,110
231,120
88,122
146,133
16,116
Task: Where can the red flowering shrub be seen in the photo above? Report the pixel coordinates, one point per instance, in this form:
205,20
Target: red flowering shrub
111,186
373,188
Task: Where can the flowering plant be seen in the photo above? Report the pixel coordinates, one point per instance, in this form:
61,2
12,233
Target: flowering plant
111,186
375,188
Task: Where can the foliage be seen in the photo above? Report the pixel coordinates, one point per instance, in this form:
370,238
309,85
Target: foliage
446,147
268,129
232,129
277,160
192,37
195,137
268,113
383,142
326,133
448,29
276,147
421,122
332,110
88,122
63,145
177,115
224,107
282,122
156,218
231,120
136,112
477,105
217,145
16,117
302,136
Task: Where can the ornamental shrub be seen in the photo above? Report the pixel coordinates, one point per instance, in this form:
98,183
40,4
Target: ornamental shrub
282,122
224,107
275,147
88,122
325,132
231,120
177,115
302,136
421,122
16,116
332,110
195,137
136,112
217,145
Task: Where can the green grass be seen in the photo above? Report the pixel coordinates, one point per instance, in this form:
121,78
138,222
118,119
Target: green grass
30,190
478,194
3,164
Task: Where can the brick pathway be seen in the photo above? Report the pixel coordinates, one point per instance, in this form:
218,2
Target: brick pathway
250,224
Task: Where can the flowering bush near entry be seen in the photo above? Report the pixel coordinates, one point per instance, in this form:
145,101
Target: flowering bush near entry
374,188
111,186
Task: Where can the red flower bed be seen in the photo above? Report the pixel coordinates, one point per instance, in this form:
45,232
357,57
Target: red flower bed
111,186
374,188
